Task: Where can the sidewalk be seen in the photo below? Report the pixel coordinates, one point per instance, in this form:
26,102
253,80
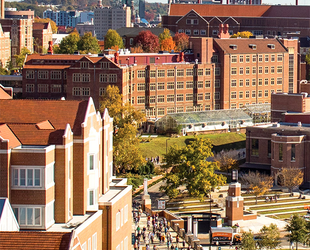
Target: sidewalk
143,223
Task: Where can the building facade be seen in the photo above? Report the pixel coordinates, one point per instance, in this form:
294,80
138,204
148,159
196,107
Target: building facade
216,74
57,171
265,20
42,34
106,18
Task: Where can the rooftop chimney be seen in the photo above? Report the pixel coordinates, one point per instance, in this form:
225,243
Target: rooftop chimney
50,48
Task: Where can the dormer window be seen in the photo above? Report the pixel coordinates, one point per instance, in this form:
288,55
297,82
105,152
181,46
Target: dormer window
271,46
233,46
252,46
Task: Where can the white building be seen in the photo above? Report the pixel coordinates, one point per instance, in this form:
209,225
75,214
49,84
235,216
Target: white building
111,18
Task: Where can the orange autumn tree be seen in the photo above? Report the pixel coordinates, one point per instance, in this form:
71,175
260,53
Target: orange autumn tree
167,44
166,41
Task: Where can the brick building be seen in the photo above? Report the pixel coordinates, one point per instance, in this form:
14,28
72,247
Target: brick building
42,34
56,169
216,74
20,34
5,48
266,20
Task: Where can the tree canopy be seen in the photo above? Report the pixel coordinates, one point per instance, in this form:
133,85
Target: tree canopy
298,230
166,41
126,154
113,39
248,242
181,41
188,167
88,44
258,183
20,59
270,237
243,34
69,44
148,41
292,177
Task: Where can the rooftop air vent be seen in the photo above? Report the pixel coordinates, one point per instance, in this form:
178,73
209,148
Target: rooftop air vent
233,46
252,46
271,46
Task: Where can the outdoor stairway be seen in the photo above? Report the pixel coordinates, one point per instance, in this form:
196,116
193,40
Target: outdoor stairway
192,206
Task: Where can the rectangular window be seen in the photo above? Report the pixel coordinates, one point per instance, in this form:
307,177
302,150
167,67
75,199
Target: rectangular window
254,147
170,98
29,88
241,59
272,81
293,152
260,82
200,72
161,98
260,58
91,197
279,80
112,78
161,73
254,58
247,82
266,93
141,86
91,162
208,84
208,107
189,85
233,59
43,88
266,58
189,72
180,85
152,99
208,72
241,83
247,94
170,85
260,94
266,81
241,94
207,96
76,91
233,95
260,70
200,97
280,57
161,111
266,70
272,58
200,84
279,69
29,177
141,99
241,71
43,74
56,75
141,73
29,74
217,71
253,70
253,82
247,59
217,96
217,83
152,86
180,98
170,73
234,71
280,152
180,72
161,86
247,70
253,93
189,97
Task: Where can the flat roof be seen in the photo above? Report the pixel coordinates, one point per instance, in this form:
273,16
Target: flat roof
67,227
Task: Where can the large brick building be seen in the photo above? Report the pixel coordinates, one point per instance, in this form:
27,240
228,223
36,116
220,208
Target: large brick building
216,74
56,169
266,20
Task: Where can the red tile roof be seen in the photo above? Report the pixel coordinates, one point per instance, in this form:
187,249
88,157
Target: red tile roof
4,93
45,66
34,241
7,134
23,115
219,10
53,57
243,45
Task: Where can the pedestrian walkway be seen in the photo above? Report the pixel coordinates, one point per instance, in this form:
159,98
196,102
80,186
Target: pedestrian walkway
156,242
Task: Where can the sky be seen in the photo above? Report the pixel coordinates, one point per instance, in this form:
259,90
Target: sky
271,2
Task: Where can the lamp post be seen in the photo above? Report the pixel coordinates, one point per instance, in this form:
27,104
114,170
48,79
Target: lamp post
167,145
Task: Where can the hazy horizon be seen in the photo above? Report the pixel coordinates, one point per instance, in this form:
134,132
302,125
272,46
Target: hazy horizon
270,2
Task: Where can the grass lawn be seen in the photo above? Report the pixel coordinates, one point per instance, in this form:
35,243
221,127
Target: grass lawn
278,206
157,146
275,211
251,203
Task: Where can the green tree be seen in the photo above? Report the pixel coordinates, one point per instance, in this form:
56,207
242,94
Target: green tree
20,59
113,39
248,242
297,228
88,43
270,237
188,167
164,35
127,119
69,44
243,34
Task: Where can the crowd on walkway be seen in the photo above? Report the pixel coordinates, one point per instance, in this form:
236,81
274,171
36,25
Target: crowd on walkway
155,232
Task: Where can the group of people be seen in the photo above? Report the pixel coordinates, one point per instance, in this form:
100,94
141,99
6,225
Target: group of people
156,232
153,159
271,199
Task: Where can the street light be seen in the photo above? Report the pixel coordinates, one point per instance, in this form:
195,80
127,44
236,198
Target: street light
167,145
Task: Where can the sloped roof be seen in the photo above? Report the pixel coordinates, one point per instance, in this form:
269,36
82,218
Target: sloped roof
243,45
7,134
40,26
23,115
34,240
2,202
4,92
219,10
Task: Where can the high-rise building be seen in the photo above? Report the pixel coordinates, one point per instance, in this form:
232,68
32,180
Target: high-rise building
111,18
142,8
